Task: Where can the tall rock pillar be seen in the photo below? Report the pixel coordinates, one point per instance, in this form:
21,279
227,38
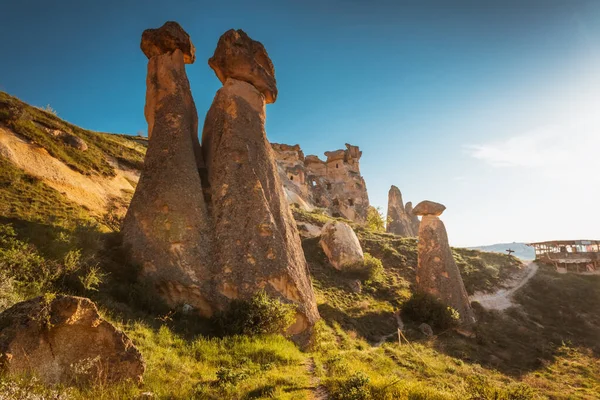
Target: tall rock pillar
398,221
166,227
437,272
258,245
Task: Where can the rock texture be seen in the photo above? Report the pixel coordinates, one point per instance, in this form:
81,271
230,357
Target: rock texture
167,39
341,245
335,185
241,58
414,219
429,208
166,227
257,246
398,221
437,272
64,340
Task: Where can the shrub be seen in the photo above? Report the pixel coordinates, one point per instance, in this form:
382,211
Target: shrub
375,221
479,387
423,307
261,314
355,387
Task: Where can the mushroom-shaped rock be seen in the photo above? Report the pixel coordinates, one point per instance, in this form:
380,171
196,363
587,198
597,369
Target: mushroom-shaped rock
341,245
52,337
167,229
258,246
437,272
167,39
239,57
427,207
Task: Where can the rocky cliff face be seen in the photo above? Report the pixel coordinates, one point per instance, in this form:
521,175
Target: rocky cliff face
335,184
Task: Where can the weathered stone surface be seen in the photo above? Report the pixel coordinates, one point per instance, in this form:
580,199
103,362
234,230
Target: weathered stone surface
437,272
258,245
335,185
167,227
398,221
167,39
341,245
429,208
64,340
414,220
239,57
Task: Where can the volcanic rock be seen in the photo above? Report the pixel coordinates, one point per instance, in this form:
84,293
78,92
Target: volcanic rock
239,57
166,227
341,245
437,272
258,246
64,340
414,220
334,185
398,222
429,208
167,39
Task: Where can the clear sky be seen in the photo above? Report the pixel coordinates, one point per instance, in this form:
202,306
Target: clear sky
490,107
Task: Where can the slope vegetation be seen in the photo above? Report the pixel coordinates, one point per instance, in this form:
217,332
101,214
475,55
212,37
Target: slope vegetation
545,347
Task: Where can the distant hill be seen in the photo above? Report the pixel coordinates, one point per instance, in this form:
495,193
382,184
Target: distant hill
522,251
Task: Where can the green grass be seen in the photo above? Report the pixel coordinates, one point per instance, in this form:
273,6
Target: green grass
30,122
546,348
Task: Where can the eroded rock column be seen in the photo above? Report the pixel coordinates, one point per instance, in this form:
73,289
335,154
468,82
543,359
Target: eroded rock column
166,227
437,272
398,221
257,242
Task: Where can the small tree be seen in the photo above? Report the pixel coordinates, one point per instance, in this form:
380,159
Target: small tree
375,219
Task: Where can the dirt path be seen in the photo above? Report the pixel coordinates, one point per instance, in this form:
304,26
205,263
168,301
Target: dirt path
318,391
501,300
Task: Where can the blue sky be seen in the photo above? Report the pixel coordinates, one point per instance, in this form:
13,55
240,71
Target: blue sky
490,107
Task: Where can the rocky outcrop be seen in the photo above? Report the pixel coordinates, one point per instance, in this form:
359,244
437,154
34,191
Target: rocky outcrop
257,246
341,245
335,184
64,340
241,58
166,227
437,272
398,220
414,220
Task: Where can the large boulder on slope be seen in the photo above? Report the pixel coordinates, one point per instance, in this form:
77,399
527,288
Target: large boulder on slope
64,340
341,245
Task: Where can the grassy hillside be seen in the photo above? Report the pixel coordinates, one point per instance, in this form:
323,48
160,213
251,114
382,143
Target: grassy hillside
547,347
35,124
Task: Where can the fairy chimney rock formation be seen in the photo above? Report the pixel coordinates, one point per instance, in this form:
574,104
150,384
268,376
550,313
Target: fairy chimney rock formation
51,337
258,245
414,220
437,272
334,185
241,58
398,221
166,227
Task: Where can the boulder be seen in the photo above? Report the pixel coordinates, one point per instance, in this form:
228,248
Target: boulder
258,246
341,245
166,228
429,208
64,340
167,39
437,272
398,221
241,58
